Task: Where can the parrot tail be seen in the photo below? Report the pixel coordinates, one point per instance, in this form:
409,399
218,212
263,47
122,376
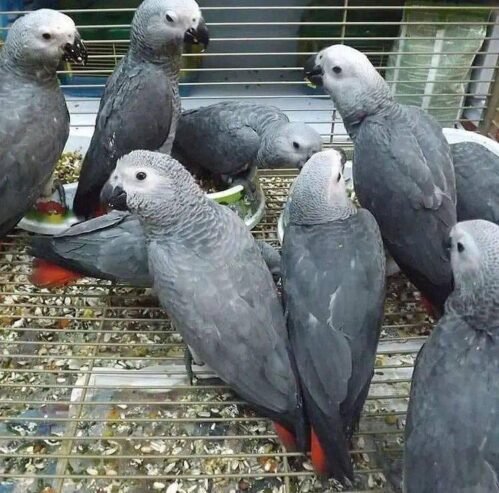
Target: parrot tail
100,211
286,437
47,275
431,309
318,455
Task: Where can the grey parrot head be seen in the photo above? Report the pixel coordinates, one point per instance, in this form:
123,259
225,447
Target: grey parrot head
154,186
159,26
474,254
348,77
318,194
289,145
41,39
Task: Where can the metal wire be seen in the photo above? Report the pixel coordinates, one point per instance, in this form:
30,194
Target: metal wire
72,418
46,364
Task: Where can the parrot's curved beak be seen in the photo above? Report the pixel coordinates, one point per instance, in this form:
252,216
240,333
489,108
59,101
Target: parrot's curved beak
76,52
313,71
115,197
199,35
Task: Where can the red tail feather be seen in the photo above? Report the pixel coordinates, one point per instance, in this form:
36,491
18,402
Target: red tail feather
287,438
318,455
430,309
47,275
100,211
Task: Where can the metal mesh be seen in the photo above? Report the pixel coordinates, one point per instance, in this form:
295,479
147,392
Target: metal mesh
69,419
93,392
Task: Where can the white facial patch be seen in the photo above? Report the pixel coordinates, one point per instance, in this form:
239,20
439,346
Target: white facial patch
61,27
465,253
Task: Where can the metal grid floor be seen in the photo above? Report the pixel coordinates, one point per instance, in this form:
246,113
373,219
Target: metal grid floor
94,396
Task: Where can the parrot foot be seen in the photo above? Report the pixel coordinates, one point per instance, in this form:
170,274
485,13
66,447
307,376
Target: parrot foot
245,179
249,188
62,193
188,359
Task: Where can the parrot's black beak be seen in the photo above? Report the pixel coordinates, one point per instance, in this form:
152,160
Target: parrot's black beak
115,197
313,72
76,52
200,35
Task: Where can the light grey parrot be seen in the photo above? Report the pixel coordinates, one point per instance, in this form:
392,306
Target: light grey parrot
452,431
333,274
212,281
141,102
402,167
231,139
477,181
34,119
112,247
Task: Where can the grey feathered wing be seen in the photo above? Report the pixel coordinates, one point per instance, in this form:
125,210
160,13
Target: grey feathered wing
477,180
334,285
110,247
229,313
408,199
435,149
135,112
452,431
33,133
215,139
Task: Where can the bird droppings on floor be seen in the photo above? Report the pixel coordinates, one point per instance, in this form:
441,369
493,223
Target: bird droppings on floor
92,385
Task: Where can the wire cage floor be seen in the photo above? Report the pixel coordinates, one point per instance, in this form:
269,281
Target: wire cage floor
94,395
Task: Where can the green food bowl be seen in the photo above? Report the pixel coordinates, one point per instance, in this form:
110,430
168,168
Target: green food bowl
53,220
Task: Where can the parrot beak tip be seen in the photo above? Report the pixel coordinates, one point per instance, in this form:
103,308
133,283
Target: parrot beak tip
198,35
76,52
115,197
313,72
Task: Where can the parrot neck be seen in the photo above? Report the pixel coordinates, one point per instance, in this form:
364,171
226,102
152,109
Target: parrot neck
317,207
26,70
309,216
478,307
266,156
191,226
169,54
378,100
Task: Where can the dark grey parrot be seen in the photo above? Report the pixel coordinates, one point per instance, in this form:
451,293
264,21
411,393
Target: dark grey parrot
212,281
141,102
112,247
333,274
231,139
34,119
402,167
452,430
477,181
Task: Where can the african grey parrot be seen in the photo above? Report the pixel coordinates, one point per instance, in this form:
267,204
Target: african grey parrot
452,431
402,167
212,281
333,274
231,139
34,119
477,181
141,101
112,247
